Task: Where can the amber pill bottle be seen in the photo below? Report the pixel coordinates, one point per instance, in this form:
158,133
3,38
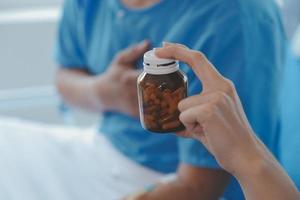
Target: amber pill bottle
161,86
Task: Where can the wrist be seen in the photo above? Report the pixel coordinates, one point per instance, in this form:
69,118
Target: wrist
100,92
255,163
238,158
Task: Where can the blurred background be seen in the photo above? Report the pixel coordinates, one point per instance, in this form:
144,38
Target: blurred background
27,32
27,35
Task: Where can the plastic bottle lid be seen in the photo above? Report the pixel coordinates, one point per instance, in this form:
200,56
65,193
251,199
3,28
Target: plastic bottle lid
155,65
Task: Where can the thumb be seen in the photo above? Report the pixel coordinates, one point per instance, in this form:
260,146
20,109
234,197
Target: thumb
131,54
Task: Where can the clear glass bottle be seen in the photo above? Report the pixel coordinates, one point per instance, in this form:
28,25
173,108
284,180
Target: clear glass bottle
161,86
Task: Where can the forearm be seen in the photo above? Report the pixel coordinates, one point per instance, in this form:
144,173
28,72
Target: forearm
172,191
176,190
77,88
265,179
192,183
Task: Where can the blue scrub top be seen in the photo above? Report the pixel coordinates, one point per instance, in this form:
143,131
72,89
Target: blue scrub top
243,38
289,142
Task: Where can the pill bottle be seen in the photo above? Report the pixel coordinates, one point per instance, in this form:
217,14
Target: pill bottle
161,86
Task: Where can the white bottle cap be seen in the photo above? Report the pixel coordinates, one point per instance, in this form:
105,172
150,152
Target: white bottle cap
155,65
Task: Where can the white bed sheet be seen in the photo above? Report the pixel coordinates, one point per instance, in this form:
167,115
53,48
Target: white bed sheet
44,162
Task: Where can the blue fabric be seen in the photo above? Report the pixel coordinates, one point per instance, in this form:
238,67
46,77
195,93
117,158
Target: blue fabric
243,39
290,135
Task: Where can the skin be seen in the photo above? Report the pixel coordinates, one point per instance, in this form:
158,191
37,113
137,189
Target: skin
80,89
105,92
216,118
139,3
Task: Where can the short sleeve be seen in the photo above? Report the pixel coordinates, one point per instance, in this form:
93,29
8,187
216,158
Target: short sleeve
192,152
69,47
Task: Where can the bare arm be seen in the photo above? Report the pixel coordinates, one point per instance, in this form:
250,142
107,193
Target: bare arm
217,119
78,88
263,178
192,183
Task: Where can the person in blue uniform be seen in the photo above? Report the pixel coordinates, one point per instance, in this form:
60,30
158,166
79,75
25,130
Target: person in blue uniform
99,46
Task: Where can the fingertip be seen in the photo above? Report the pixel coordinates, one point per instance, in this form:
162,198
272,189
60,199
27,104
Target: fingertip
159,52
181,117
165,52
144,41
144,44
147,42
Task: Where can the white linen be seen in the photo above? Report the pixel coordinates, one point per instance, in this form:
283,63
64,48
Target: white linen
44,162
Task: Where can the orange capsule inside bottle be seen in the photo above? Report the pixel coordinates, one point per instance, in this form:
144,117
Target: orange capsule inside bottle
161,86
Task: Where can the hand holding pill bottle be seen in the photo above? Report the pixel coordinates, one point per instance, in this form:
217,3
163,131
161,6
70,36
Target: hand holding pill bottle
161,86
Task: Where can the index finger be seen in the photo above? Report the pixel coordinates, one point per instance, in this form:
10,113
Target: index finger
204,70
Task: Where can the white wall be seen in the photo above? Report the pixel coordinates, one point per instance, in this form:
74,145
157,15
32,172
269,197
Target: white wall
27,37
13,4
25,54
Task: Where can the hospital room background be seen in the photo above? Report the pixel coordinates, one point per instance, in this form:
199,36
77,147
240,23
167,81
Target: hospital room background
27,35
27,32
